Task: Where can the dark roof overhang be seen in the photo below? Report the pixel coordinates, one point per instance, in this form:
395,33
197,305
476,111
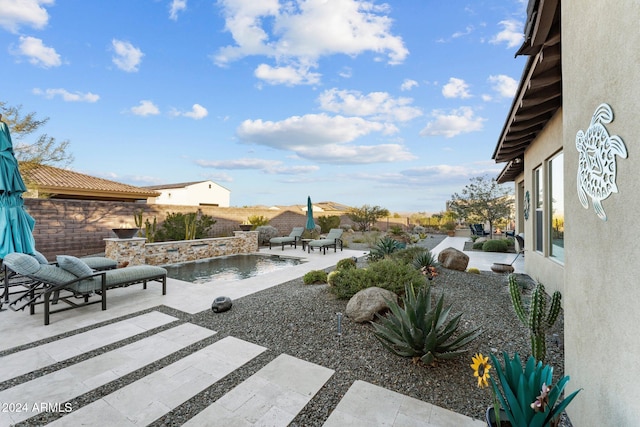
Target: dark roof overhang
539,94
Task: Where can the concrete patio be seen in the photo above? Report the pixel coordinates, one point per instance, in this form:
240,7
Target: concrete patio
272,396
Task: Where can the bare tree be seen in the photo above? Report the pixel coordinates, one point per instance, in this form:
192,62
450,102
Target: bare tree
45,150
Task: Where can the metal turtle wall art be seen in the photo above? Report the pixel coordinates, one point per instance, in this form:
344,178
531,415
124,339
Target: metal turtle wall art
597,162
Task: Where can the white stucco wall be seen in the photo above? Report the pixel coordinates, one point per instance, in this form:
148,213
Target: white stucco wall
601,64
207,192
539,265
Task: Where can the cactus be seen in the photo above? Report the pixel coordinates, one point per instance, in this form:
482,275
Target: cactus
190,226
150,230
137,217
538,320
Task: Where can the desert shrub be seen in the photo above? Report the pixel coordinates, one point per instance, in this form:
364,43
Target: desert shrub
510,241
418,229
257,221
396,230
478,245
494,246
346,263
315,276
328,222
473,270
387,274
311,234
407,255
385,246
174,227
266,233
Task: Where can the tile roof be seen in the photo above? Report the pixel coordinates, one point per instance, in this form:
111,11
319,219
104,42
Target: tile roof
63,181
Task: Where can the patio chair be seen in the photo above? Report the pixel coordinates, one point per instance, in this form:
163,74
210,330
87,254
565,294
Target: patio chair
292,239
479,230
72,279
333,239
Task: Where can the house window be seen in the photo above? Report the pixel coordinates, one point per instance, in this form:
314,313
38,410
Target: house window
538,203
556,201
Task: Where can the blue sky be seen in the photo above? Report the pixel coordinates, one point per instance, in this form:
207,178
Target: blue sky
395,103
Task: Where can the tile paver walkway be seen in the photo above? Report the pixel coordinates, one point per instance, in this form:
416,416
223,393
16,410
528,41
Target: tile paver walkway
273,396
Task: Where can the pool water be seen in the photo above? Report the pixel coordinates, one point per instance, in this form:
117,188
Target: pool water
234,267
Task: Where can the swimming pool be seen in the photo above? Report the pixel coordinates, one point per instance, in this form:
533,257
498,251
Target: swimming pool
233,267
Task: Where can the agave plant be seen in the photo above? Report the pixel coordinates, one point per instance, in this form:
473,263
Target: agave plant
421,329
424,259
384,247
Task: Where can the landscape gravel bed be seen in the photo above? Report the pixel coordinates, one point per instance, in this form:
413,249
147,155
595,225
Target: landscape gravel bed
301,320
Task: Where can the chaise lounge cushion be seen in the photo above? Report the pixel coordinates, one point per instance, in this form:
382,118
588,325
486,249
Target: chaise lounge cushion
74,265
332,239
133,274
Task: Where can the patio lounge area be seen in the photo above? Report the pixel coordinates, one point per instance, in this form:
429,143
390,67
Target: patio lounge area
167,360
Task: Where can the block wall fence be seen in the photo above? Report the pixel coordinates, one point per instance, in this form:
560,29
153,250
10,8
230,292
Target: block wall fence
79,227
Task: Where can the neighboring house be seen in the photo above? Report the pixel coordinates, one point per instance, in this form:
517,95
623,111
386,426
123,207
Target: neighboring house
55,183
201,193
571,144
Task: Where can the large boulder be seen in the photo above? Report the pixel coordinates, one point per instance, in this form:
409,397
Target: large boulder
363,306
453,259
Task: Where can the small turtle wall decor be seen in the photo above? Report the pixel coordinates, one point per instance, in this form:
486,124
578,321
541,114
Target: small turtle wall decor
596,160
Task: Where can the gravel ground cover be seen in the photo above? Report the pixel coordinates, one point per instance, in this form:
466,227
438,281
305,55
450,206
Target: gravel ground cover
301,320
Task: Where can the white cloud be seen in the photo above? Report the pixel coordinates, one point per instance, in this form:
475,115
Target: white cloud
67,96
127,57
38,54
468,30
408,84
511,33
456,88
297,33
454,123
287,75
324,138
504,85
197,112
267,166
175,7
376,105
15,13
146,108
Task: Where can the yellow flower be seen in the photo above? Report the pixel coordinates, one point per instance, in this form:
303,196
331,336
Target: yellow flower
481,369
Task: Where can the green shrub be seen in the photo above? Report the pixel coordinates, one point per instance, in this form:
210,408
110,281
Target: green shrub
473,270
420,329
387,274
331,277
494,246
315,276
328,222
346,263
174,226
478,245
407,255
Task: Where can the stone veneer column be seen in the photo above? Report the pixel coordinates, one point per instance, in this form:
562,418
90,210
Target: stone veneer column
126,250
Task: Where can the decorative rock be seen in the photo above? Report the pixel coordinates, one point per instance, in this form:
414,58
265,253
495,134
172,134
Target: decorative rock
221,304
453,259
363,306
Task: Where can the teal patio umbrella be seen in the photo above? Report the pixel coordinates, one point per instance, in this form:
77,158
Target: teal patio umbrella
16,225
310,224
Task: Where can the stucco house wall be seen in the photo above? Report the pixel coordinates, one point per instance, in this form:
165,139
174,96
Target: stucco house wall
601,64
538,264
196,194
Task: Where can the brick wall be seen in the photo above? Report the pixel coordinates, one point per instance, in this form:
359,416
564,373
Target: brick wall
78,227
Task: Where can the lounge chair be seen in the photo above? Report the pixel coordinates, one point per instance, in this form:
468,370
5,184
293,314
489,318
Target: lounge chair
13,280
292,239
72,278
333,239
